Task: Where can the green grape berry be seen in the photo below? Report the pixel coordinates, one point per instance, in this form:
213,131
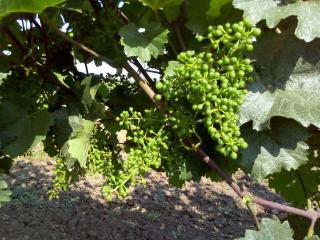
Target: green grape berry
256,32
158,97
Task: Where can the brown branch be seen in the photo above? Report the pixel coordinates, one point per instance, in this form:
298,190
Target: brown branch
143,71
177,31
75,43
145,87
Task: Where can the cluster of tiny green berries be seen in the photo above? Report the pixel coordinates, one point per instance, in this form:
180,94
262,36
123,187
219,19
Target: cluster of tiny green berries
61,179
213,85
148,143
99,154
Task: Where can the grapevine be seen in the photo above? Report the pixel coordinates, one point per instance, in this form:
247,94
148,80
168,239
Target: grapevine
220,93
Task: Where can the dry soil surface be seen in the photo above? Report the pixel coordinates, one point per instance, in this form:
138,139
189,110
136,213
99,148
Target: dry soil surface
198,211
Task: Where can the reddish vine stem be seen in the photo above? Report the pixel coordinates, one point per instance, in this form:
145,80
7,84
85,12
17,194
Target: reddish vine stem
312,215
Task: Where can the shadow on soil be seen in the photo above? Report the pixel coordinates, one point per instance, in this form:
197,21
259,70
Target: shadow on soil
156,211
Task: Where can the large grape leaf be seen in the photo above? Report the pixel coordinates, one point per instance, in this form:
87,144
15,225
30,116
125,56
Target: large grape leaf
73,133
289,84
294,185
30,6
270,151
270,229
20,130
144,41
77,146
4,193
307,12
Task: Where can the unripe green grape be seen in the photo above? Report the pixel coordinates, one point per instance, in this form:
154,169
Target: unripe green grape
244,145
218,32
249,69
249,47
234,155
159,85
200,38
158,97
256,32
247,22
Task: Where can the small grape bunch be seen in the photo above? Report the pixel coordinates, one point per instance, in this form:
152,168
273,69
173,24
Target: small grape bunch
212,83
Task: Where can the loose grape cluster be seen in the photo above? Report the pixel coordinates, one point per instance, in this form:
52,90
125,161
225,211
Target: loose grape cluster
147,142
212,83
61,179
99,155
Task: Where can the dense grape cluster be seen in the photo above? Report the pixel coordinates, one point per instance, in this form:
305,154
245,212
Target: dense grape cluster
212,82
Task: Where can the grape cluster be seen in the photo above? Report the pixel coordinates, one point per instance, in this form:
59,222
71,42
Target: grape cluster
99,155
148,142
212,83
26,84
61,179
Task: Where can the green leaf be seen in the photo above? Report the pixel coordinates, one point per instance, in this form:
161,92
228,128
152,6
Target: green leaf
30,6
293,185
3,185
215,7
145,41
169,71
4,193
203,13
307,13
314,237
80,6
270,151
160,4
196,13
270,229
73,133
19,130
77,147
289,84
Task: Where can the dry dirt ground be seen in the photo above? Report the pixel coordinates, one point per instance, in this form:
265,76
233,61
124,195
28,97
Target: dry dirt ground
204,210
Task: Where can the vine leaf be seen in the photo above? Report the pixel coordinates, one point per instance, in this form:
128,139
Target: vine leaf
314,237
215,7
270,151
32,6
160,4
77,147
289,82
200,16
73,133
20,130
288,184
144,41
4,193
270,229
307,12
197,21
169,71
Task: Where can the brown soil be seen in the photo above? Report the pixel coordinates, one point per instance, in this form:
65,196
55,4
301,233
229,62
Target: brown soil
205,210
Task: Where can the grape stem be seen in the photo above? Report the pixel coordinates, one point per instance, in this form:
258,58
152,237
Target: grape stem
313,216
